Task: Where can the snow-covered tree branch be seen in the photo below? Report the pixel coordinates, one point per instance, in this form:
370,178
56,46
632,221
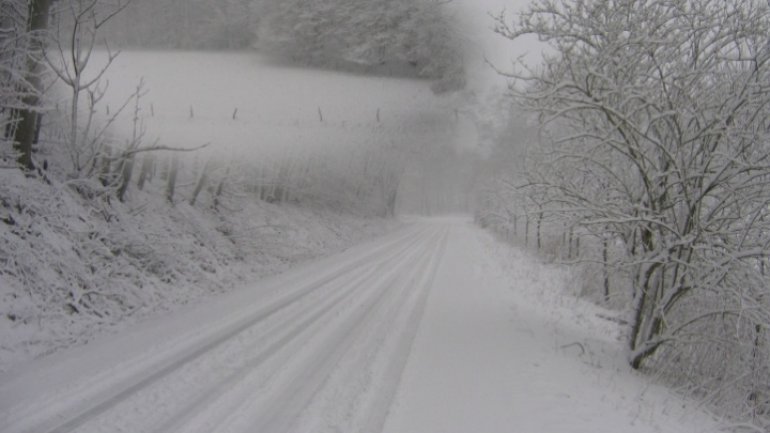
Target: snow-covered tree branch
655,136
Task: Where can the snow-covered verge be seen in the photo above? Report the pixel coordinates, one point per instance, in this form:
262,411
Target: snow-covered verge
74,265
574,359
75,261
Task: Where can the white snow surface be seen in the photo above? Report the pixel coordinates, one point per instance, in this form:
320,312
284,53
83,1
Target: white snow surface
199,251
435,327
242,103
143,258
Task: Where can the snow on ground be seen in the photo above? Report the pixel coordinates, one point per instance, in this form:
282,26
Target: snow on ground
192,98
134,260
434,328
253,357
504,347
464,334
144,256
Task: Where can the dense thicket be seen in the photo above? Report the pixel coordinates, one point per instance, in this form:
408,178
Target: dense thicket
12,64
23,32
185,24
394,37
411,37
654,150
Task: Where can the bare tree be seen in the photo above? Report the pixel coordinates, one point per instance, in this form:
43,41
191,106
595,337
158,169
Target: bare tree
76,37
657,116
12,69
22,69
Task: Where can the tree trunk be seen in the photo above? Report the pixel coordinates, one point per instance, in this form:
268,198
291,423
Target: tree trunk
605,270
220,188
28,119
106,174
526,231
577,246
201,183
539,225
757,370
144,174
125,176
646,325
171,185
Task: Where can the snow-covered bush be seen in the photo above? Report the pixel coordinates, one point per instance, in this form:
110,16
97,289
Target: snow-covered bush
75,263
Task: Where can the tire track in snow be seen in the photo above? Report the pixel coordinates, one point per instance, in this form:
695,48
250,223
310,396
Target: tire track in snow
395,368
301,383
358,395
194,415
69,415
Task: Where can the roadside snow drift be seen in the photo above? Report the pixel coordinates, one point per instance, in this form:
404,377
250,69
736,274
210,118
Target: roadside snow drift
420,331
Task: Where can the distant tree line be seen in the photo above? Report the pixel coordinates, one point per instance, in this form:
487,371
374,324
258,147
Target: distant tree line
400,37
185,24
394,37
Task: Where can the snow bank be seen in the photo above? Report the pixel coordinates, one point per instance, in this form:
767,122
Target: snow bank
73,267
583,353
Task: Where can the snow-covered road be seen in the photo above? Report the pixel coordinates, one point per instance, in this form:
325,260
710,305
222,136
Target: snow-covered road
408,333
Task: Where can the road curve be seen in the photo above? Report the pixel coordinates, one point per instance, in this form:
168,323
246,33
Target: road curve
321,348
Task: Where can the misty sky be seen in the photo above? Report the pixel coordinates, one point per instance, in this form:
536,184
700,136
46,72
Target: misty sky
483,43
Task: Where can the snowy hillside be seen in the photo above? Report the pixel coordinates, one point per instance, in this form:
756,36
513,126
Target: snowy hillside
77,265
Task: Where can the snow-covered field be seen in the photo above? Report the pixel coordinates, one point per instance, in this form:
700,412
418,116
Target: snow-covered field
242,104
429,329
